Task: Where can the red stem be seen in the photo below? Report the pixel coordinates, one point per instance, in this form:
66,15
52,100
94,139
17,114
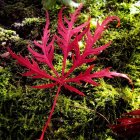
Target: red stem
51,113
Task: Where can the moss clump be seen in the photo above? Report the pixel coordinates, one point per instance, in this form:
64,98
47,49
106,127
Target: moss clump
7,36
32,21
7,89
25,110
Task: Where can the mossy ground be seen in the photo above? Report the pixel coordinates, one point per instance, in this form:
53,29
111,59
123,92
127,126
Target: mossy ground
23,110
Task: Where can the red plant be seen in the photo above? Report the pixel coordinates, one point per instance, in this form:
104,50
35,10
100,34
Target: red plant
128,125
67,39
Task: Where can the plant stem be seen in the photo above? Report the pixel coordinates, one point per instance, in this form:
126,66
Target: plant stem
51,113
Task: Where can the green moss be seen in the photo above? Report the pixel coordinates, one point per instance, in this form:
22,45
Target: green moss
25,110
31,21
7,90
8,35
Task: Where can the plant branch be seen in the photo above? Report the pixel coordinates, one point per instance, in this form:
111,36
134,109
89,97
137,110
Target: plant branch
51,113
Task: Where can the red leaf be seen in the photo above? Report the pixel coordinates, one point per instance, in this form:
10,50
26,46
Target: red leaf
107,73
67,39
126,130
127,126
96,51
133,113
28,73
103,26
33,67
45,86
122,75
47,48
74,90
127,121
66,33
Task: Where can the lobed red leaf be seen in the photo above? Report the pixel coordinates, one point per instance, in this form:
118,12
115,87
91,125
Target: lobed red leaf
74,90
127,126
